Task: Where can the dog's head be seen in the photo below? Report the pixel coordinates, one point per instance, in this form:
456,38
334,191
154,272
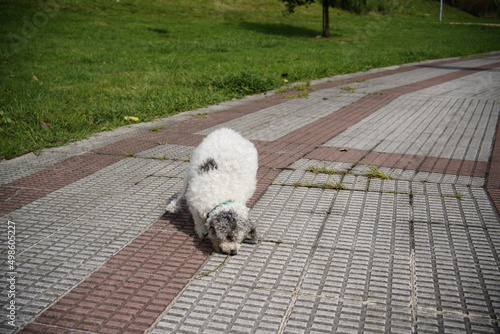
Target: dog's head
228,228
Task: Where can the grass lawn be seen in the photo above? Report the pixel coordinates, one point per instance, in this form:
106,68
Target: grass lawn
70,68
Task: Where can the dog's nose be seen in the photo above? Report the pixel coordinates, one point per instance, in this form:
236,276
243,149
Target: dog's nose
233,252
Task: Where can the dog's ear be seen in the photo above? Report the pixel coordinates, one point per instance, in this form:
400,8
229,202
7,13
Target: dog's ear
254,233
223,223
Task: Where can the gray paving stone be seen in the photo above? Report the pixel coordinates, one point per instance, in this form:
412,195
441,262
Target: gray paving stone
274,122
230,309
483,86
31,296
82,243
14,169
293,199
168,151
397,80
443,135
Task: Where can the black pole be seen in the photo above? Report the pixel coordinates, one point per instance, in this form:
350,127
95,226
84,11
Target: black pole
326,19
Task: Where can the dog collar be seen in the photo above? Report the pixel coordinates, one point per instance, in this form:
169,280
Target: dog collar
219,205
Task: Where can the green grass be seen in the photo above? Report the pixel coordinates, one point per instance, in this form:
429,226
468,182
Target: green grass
79,67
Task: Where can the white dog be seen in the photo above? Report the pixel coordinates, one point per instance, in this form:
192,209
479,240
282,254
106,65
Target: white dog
219,181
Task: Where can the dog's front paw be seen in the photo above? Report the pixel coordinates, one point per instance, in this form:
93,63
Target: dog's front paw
254,233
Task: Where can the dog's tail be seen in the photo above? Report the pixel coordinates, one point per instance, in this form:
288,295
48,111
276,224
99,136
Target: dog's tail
174,203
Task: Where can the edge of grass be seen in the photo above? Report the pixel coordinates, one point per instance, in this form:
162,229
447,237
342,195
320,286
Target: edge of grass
78,68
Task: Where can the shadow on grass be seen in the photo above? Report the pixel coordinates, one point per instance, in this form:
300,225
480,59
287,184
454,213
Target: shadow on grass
280,29
161,31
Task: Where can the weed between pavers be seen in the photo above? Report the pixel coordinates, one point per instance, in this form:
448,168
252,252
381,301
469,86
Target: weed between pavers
301,95
330,184
294,88
324,170
375,172
333,185
456,195
156,128
213,270
301,91
165,157
394,192
348,89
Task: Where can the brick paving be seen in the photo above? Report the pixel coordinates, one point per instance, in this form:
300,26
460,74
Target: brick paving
417,252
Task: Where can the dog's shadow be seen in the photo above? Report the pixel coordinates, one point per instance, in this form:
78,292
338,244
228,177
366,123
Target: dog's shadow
183,223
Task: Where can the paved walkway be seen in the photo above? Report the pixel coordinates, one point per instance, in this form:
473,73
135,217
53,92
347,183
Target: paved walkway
414,253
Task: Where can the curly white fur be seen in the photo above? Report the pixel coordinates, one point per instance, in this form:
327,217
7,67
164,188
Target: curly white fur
219,181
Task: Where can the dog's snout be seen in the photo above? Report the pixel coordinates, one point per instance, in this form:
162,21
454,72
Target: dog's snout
233,252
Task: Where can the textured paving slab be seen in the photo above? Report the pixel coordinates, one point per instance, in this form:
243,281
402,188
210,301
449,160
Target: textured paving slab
272,123
427,126
417,252
470,86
